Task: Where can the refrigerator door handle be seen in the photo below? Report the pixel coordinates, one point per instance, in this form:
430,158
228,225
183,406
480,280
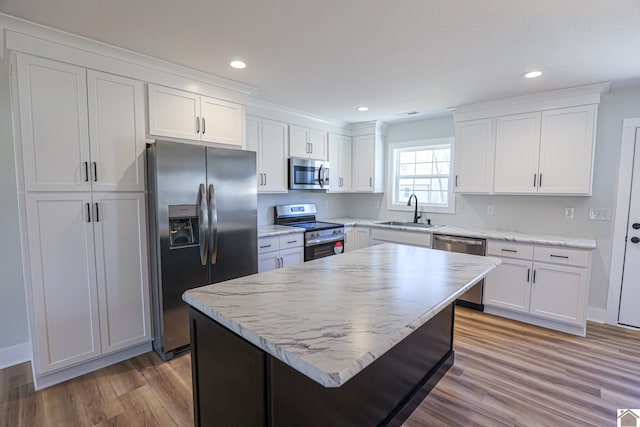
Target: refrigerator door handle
213,219
203,224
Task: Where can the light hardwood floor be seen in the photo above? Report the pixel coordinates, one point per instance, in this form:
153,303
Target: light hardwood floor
505,373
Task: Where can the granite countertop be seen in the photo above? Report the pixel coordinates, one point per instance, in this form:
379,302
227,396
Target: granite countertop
330,318
483,233
277,230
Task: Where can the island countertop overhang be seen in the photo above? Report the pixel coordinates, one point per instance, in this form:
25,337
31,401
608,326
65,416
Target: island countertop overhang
332,317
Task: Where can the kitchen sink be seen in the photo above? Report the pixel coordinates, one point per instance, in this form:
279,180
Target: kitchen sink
406,224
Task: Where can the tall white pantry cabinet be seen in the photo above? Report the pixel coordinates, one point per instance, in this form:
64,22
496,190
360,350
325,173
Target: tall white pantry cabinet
81,141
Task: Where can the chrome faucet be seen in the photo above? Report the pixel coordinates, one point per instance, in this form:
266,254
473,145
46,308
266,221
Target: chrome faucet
415,213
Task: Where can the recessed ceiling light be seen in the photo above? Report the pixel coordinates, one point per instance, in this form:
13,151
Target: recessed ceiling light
238,64
363,108
532,74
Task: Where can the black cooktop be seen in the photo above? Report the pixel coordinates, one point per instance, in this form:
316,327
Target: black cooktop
311,226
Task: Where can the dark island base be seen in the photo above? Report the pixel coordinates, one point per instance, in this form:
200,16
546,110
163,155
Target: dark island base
236,383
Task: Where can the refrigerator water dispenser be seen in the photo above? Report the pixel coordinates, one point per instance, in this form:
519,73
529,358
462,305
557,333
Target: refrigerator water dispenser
183,226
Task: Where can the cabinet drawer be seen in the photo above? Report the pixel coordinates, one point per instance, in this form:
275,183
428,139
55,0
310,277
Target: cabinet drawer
563,256
291,240
509,249
268,244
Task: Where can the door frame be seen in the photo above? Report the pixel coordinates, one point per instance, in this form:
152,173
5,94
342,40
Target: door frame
629,129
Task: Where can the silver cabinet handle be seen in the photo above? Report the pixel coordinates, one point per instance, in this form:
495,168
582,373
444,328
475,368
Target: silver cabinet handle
88,212
291,241
197,124
203,126
370,181
204,222
265,246
456,180
86,171
559,256
97,213
311,144
281,262
534,276
528,274
535,180
213,218
540,184
509,250
95,171
265,179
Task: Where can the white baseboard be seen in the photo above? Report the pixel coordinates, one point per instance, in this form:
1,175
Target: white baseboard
597,315
13,355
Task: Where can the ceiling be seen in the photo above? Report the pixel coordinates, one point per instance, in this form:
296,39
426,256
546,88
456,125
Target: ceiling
395,56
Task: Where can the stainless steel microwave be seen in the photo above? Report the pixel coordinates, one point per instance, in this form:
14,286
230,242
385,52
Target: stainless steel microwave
307,174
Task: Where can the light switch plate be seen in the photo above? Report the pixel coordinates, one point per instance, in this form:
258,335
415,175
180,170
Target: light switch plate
491,209
569,213
376,204
600,214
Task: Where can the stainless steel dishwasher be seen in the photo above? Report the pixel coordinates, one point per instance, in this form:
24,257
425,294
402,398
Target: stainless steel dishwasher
466,245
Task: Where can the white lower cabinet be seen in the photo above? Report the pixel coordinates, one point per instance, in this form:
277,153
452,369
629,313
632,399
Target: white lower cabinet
89,275
349,239
538,284
280,251
362,239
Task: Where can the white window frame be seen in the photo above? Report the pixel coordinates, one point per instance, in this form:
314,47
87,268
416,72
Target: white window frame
391,176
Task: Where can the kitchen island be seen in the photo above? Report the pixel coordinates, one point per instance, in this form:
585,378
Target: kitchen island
354,339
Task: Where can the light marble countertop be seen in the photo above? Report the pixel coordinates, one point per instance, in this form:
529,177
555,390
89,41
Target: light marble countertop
331,317
277,230
482,233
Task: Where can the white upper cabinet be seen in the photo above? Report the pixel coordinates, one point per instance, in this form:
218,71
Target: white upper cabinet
339,163
180,114
474,146
81,130
517,148
116,132
307,143
53,124
567,144
269,140
535,144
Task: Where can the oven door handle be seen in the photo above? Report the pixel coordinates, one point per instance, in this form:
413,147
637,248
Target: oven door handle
321,240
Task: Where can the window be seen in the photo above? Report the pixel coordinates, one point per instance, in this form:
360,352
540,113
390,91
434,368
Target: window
422,168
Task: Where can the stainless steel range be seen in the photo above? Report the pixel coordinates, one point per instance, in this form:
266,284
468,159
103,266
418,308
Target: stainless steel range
321,239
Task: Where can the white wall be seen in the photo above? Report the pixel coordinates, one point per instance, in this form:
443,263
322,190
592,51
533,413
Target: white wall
535,213
13,314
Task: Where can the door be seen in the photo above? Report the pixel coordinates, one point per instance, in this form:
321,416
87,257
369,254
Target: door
221,121
233,213
116,132
558,292
177,173
173,113
317,144
273,157
54,125
474,149
122,269
298,141
566,150
63,279
292,256
363,168
630,294
509,286
517,153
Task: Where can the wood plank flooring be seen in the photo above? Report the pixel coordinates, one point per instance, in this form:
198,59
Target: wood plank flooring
505,374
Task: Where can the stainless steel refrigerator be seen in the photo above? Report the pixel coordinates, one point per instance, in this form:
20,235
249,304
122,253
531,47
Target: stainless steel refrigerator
203,228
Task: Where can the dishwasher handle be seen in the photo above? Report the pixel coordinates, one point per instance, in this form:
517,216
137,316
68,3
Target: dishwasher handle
447,239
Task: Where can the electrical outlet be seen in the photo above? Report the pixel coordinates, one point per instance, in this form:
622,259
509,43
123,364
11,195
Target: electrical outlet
326,203
569,213
600,214
491,209
376,204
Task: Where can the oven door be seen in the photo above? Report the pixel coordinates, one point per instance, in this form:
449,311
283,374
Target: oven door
305,174
322,247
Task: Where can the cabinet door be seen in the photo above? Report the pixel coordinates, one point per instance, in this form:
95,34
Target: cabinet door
53,124
273,157
509,286
221,121
335,157
566,150
559,293
345,164
363,163
254,136
292,257
122,269
349,239
318,144
474,148
173,113
362,238
63,279
517,152
268,262
298,141
116,132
